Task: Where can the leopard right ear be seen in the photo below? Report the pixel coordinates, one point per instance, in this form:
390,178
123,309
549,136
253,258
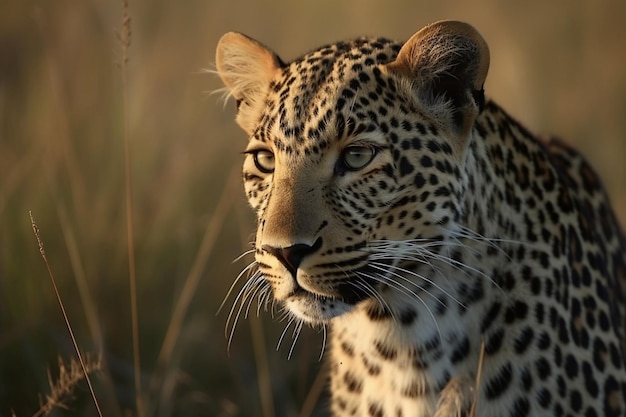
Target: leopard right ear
246,67
446,64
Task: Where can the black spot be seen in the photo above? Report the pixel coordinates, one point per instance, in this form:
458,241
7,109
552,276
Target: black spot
558,356
517,311
539,313
558,410
535,286
499,383
385,351
433,146
372,368
377,313
543,342
426,162
544,397
563,333
405,167
521,408
414,390
603,321
490,316
494,342
612,390
616,356
340,402
561,387
353,384
575,401
526,379
524,339
543,368
375,410
347,348
571,366
419,363
442,191
408,316
461,351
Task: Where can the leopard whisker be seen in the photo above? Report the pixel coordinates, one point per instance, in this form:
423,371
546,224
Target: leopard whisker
265,297
254,293
364,286
240,257
247,269
385,279
294,337
292,319
249,288
457,265
418,253
468,233
464,267
297,329
323,342
372,291
423,278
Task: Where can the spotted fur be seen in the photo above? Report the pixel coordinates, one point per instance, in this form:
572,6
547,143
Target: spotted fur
425,226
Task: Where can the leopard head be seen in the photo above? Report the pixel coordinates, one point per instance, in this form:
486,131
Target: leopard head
353,149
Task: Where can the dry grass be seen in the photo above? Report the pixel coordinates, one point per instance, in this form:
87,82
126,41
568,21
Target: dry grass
125,38
63,386
67,379
70,125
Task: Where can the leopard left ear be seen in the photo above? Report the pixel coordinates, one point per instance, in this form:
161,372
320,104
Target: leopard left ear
246,67
446,64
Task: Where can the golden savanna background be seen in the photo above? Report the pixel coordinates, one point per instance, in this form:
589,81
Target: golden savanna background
66,111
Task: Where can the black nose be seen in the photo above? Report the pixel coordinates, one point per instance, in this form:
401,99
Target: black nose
292,256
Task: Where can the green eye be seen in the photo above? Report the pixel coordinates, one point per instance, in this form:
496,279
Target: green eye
264,160
357,157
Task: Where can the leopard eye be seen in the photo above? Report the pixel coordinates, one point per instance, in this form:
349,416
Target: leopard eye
264,160
357,157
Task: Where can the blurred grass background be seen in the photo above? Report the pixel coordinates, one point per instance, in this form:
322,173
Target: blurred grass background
559,67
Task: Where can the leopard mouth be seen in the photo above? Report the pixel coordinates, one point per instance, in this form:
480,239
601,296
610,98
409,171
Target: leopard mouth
317,308
346,293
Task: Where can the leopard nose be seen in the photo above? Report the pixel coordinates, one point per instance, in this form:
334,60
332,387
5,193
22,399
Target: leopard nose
292,256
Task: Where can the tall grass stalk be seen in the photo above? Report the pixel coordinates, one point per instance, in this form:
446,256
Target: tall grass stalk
124,38
65,317
264,381
192,280
479,374
315,392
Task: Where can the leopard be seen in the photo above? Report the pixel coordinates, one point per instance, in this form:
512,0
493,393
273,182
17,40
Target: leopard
462,265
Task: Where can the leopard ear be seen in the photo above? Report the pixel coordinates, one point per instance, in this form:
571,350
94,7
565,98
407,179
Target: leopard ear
446,64
246,68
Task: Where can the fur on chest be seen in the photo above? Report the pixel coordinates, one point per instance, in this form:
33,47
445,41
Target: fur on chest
401,363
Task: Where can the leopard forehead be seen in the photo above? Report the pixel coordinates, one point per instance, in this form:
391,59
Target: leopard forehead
327,94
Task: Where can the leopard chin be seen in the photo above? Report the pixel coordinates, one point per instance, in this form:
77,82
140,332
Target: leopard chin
315,309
